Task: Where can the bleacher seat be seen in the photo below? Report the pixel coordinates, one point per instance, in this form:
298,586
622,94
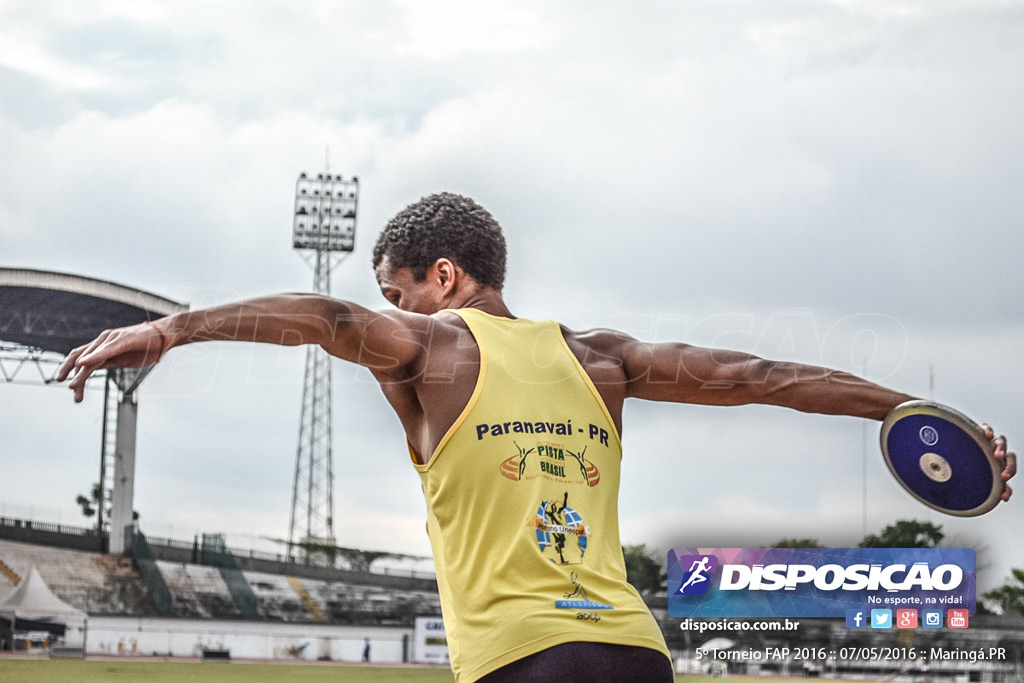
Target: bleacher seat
98,584
111,585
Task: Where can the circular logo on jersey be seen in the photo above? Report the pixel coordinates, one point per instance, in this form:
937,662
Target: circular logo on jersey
561,533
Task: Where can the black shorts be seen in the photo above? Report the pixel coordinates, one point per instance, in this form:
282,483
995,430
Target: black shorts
587,663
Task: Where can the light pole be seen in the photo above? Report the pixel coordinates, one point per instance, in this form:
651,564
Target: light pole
323,229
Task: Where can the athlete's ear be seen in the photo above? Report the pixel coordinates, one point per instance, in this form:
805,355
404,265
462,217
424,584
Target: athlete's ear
446,274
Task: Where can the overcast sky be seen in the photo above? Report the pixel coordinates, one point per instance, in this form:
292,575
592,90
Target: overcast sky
835,182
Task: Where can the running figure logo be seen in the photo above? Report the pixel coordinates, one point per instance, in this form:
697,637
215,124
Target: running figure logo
578,591
579,600
695,580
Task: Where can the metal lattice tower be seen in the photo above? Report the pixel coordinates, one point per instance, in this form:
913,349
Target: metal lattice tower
324,229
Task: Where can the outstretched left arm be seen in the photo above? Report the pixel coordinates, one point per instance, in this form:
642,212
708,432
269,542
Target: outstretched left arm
689,374
682,373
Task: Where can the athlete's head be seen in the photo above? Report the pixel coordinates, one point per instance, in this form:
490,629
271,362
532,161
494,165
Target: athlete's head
446,226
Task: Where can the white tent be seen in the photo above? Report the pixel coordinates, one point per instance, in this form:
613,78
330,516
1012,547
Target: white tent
33,602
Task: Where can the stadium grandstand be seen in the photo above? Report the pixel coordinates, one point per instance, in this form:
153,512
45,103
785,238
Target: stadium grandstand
175,598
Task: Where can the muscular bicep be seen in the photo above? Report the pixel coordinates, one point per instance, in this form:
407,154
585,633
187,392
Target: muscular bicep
381,341
384,342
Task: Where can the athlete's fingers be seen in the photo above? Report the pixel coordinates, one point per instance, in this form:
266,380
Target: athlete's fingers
77,385
989,432
999,444
68,364
1003,455
1009,460
1009,469
71,361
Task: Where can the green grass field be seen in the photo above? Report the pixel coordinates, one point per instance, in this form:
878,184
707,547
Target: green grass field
113,671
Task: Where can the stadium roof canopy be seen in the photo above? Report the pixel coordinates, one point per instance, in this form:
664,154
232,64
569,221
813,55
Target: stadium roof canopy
58,312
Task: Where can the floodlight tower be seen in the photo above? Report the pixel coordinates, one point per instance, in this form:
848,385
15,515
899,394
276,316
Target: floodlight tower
323,229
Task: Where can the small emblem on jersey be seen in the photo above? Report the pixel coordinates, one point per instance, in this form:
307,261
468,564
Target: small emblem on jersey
578,598
561,533
550,462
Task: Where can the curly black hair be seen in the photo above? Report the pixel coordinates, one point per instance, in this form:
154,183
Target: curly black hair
444,225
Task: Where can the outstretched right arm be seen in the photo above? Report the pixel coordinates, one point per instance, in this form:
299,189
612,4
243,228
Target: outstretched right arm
383,342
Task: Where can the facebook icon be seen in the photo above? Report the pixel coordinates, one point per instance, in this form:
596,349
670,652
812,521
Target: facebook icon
855,618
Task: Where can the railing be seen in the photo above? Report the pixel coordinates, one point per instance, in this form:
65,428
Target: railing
47,527
58,535
143,555
282,558
214,553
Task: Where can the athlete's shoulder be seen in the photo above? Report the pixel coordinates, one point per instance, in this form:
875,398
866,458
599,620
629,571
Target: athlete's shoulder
392,343
422,322
603,341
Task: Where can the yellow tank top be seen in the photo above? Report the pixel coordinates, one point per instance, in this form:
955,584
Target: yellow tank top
522,507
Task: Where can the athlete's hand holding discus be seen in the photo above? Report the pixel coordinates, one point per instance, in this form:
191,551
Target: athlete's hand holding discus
945,459
1004,456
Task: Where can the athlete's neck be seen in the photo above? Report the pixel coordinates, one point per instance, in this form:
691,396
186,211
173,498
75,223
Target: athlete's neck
488,300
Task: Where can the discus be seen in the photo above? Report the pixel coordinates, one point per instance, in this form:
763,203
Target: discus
942,458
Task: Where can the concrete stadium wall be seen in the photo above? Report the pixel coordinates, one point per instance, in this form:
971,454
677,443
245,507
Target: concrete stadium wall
129,636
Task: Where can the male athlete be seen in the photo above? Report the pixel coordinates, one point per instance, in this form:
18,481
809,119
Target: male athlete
477,390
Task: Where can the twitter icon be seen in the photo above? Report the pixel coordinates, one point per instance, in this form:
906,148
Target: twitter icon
881,618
